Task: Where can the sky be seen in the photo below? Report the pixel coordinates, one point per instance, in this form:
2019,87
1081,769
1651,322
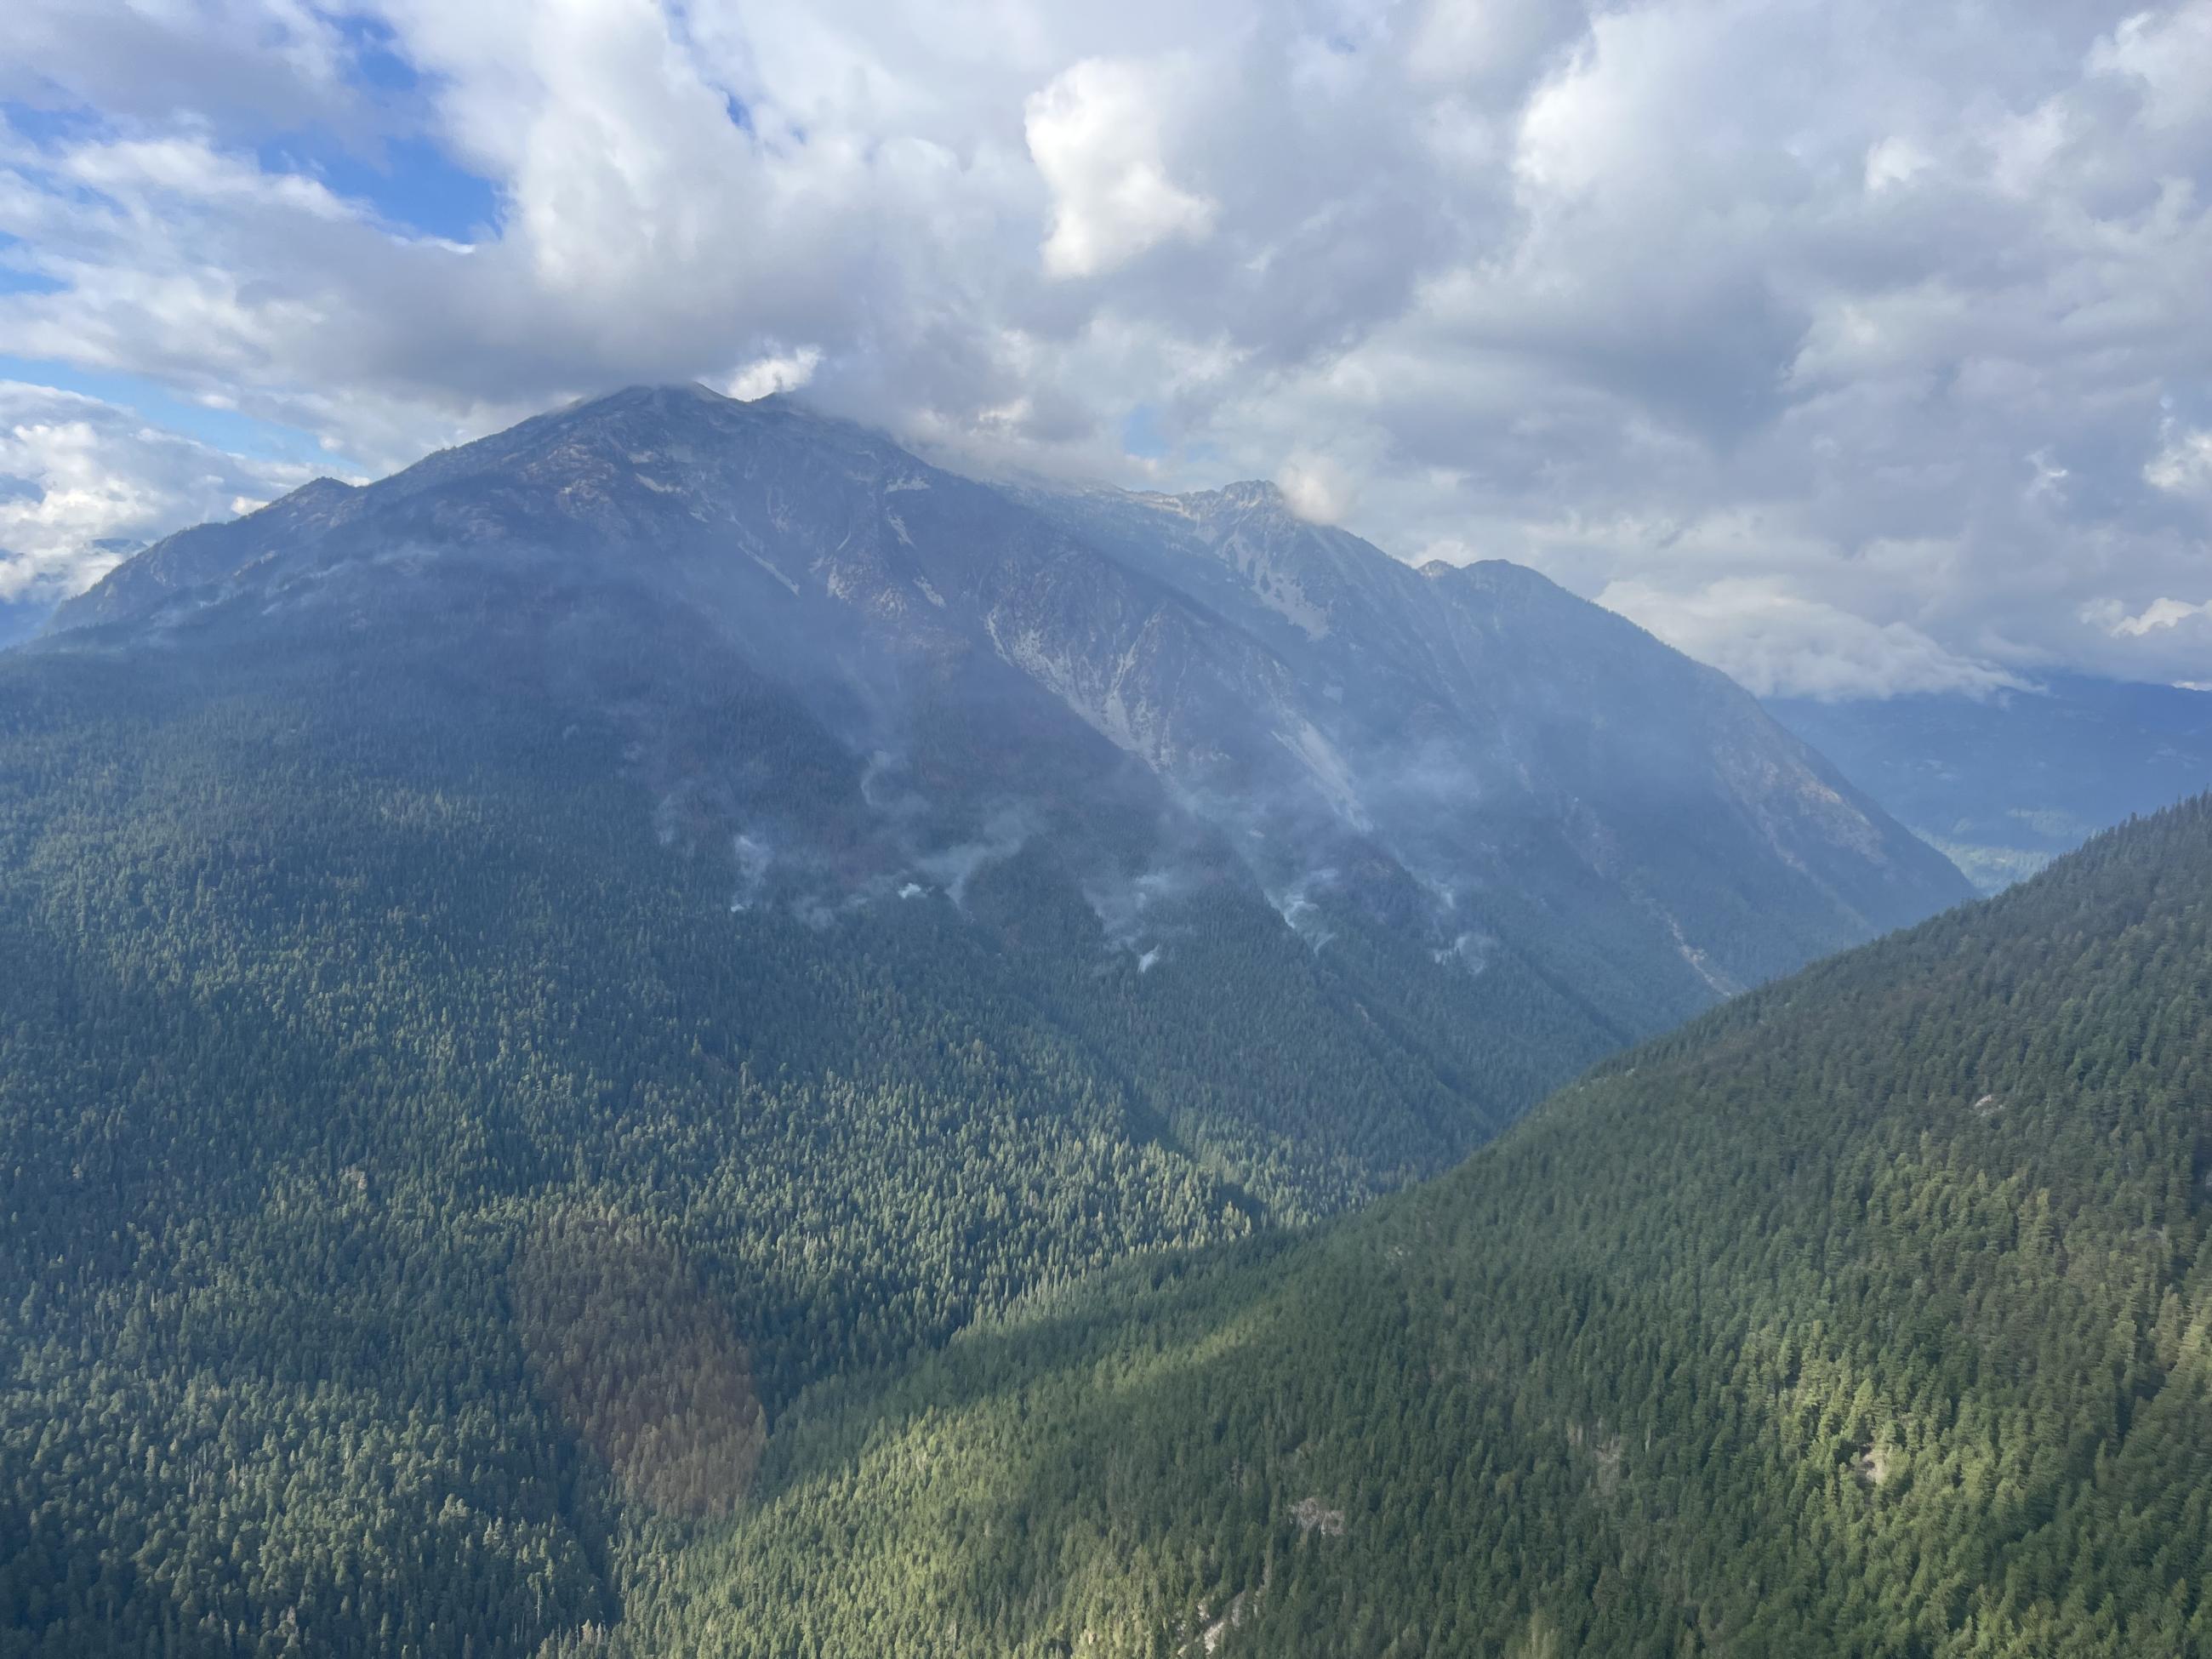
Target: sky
1857,349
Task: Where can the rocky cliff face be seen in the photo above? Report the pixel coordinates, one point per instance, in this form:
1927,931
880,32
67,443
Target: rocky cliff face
1503,737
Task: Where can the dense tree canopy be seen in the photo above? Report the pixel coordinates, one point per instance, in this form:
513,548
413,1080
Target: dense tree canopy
416,1167
441,1219
1872,1314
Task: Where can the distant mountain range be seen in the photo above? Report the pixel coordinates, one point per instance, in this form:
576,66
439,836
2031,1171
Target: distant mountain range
2003,784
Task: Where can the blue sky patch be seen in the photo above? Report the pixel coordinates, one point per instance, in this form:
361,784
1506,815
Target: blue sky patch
15,253
221,429
411,183
377,61
1141,435
49,126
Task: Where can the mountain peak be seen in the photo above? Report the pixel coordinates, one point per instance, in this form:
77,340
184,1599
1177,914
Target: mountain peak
153,575
317,492
1254,492
643,466
1245,495
665,392
1233,647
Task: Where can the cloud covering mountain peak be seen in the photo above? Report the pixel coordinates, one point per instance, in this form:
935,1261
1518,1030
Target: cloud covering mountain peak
1886,313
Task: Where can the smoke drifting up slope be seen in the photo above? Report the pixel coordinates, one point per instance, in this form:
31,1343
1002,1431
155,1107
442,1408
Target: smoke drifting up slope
1437,753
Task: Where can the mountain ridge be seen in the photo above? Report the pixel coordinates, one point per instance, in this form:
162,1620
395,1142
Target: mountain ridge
661,897
1305,689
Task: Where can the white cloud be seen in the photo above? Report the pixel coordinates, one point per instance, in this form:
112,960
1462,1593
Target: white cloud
1777,644
1894,314
2169,53
75,472
784,372
1318,489
192,168
276,62
2160,615
1893,161
1096,135
2183,465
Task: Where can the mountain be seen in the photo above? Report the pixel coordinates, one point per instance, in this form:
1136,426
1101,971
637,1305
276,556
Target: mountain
1527,781
2003,784
527,976
1871,1313
1515,747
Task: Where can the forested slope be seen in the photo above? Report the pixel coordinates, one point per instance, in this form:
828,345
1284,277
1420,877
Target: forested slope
1516,780
538,991
1871,1313
411,1167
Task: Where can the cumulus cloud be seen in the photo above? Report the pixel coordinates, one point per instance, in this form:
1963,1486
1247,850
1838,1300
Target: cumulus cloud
1094,134
1316,488
2183,465
1894,161
2169,52
783,372
1861,347
83,483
